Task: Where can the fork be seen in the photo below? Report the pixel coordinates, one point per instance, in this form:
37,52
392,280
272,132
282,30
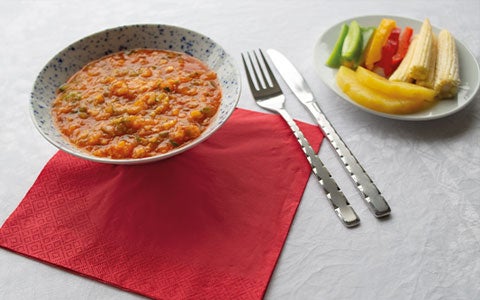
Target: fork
268,95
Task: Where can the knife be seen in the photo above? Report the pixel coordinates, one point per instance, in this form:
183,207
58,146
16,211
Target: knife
295,81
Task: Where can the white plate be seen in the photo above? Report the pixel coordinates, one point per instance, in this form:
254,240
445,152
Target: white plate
469,70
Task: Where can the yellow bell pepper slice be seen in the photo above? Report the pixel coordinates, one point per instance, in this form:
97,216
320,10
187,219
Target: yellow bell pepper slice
397,89
373,53
348,81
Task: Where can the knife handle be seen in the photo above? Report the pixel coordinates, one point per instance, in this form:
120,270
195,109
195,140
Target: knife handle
336,197
372,196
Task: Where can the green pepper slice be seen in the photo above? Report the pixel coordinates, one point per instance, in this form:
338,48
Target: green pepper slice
367,33
335,58
352,43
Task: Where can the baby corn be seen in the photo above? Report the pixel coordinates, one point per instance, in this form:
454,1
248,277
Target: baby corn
421,60
401,73
428,82
432,62
447,76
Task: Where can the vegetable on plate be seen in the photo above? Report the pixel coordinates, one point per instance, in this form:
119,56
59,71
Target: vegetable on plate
388,51
334,60
394,89
392,70
447,78
373,53
403,44
421,64
350,83
352,44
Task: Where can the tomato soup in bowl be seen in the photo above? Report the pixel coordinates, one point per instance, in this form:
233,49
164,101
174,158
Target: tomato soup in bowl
135,94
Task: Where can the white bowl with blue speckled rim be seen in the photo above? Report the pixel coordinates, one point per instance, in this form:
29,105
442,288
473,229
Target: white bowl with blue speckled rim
154,36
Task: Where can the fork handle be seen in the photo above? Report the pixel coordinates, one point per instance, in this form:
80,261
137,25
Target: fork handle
334,194
372,196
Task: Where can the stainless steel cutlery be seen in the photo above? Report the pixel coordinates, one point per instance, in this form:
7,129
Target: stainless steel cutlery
372,196
267,94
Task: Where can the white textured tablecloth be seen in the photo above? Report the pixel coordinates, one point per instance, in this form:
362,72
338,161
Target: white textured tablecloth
428,171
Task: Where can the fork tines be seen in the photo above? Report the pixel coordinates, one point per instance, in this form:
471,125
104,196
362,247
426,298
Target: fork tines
264,81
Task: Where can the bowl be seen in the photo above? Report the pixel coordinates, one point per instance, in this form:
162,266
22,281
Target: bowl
153,36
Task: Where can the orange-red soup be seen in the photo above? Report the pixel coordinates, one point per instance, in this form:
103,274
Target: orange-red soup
137,104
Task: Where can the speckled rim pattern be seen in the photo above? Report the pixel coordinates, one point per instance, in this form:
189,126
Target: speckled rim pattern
124,38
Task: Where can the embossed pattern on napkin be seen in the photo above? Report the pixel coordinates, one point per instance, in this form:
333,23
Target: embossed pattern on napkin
209,223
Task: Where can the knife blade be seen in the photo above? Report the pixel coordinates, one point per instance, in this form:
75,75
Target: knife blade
295,81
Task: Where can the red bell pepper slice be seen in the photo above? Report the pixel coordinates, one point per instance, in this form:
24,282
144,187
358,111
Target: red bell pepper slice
403,44
388,51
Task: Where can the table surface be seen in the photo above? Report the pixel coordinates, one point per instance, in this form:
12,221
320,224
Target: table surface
429,172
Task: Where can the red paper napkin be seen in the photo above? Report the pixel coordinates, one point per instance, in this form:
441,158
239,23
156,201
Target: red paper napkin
207,224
